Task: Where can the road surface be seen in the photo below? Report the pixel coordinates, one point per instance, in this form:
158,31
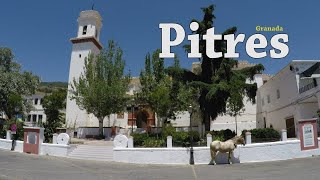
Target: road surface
15,165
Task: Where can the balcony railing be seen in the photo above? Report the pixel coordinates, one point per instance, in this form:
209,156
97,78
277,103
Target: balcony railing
309,86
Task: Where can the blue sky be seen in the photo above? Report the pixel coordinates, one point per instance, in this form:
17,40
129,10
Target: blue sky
39,31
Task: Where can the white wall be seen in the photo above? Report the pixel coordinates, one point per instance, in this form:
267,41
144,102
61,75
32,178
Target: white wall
291,103
54,149
46,149
6,144
259,152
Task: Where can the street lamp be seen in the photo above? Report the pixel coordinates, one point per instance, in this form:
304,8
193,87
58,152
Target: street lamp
190,110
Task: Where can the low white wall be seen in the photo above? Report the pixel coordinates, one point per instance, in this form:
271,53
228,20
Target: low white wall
54,149
6,144
259,152
46,149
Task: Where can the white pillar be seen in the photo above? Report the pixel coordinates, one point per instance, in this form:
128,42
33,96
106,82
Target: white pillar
248,137
130,142
209,139
54,138
283,135
8,136
169,141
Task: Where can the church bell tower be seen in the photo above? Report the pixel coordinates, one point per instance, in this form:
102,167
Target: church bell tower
86,42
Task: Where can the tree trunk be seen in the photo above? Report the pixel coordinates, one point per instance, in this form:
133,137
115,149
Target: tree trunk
207,122
100,126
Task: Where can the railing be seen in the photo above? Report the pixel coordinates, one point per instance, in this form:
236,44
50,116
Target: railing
308,86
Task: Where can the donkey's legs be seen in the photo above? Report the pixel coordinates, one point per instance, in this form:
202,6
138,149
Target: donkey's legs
229,157
213,157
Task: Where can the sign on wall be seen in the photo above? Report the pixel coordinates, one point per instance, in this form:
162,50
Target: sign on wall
308,130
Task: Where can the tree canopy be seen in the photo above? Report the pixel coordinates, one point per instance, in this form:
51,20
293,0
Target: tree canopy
14,84
101,88
220,82
165,96
52,105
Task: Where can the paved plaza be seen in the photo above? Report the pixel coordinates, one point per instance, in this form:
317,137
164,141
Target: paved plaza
23,166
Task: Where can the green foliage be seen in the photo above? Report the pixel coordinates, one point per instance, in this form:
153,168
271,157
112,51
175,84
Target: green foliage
222,86
49,87
102,88
222,135
6,126
153,142
165,95
14,84
138,139
263,134
167,130
53,104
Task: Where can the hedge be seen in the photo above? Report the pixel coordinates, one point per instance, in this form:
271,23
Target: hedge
263,134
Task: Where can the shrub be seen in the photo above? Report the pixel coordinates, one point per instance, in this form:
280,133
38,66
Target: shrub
180,138
138,139
167,130
222,135
153,142
263,134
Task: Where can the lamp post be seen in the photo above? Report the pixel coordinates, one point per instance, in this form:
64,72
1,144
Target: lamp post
190,110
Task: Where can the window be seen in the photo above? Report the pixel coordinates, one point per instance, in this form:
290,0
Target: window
36,101
84,32
268,97
34,118
41,101
262,101
96,33
40,118
79,55
29,118
278,93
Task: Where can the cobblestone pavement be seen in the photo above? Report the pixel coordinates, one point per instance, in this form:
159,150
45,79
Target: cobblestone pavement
23,166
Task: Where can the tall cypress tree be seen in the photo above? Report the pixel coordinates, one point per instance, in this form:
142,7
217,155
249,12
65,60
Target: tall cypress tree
220,83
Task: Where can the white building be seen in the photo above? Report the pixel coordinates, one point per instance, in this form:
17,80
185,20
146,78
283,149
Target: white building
86,42
36,116
292,94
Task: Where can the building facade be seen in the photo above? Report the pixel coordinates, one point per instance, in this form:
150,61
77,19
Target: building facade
36,116
292,94
87,42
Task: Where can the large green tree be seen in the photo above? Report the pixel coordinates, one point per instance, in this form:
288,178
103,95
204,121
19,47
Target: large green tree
101,88
165,96
219,81
53,104
14,84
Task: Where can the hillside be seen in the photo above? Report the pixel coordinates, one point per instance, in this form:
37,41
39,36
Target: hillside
48,87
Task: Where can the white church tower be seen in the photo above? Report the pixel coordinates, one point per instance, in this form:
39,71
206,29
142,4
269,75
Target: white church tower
86,42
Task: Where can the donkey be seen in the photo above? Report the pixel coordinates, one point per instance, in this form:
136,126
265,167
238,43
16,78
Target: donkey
225,147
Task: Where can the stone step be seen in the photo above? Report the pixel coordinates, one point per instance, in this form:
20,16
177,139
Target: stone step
88,152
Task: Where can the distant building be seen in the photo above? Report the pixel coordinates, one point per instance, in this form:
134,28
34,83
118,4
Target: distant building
292,94
36,116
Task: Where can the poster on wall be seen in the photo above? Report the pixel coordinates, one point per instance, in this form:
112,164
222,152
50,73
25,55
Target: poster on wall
308,134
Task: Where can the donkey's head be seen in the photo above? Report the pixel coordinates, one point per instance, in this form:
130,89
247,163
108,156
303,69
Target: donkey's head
239,140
